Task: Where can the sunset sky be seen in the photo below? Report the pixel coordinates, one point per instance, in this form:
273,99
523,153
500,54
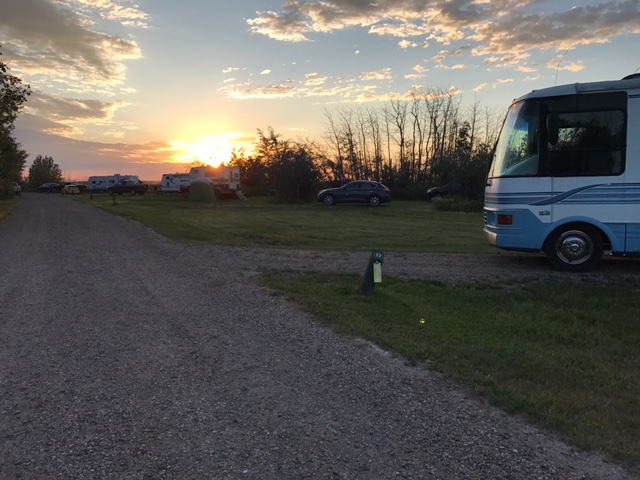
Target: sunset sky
143,87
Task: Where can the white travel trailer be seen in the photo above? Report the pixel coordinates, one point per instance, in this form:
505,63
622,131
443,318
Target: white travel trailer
172,182
225,177
226,180
100,183
565,175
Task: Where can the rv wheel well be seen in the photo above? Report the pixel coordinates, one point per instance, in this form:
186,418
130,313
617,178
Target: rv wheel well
606,242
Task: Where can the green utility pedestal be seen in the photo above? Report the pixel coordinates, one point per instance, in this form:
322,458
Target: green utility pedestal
373,273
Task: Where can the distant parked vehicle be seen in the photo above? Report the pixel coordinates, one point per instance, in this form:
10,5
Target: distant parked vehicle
71,189
17,189
358,191
435,193
81,186
128,186
50,187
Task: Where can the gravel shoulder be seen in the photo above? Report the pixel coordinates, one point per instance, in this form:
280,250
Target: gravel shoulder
127,355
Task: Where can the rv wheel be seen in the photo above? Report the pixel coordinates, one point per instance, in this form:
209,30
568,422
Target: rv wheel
574,248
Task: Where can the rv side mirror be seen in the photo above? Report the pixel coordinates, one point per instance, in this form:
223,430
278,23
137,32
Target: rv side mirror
553,128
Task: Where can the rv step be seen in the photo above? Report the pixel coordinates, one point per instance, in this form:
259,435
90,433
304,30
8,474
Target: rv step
240,195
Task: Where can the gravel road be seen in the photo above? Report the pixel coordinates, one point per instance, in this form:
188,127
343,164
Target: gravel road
124,355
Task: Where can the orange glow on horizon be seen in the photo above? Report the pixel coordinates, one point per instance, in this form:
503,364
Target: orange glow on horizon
213,150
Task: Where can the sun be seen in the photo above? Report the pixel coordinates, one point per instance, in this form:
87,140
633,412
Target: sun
213,150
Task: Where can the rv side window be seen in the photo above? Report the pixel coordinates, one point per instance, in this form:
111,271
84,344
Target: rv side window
589,143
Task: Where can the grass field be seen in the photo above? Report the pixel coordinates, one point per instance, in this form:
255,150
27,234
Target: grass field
260,222
565,353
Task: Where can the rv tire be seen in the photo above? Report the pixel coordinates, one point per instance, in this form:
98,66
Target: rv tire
574,248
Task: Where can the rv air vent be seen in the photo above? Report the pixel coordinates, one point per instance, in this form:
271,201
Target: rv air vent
632,76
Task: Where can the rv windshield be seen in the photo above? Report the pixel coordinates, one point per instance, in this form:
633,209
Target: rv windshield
517,149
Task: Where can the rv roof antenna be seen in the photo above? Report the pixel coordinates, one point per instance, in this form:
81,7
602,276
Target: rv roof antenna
558,67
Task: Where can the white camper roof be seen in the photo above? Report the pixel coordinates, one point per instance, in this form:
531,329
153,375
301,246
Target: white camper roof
632,82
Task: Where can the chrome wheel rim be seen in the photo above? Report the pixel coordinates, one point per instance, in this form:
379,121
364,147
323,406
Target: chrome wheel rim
574,247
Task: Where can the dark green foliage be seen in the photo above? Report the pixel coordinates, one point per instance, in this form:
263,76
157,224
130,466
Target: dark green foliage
290,166
6,189
12,158
253,174
13,94
12,97
44,170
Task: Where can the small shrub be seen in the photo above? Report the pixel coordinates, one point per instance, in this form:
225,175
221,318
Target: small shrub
6,189
405,193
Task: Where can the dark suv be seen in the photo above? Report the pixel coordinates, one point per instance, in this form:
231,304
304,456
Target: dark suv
358,191
439,192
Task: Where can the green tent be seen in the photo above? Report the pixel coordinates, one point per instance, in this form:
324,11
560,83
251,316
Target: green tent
202,192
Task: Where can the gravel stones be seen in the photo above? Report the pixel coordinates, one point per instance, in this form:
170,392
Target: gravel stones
126,355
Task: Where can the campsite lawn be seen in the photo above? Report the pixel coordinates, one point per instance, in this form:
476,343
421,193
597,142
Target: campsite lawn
260,222
563,353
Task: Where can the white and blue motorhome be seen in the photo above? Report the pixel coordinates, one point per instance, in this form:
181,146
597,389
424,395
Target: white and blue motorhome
565,175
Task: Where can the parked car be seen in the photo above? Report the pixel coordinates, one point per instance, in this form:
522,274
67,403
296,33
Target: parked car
81,186
358,191
435,193
17,189
71,189
128,186
50,187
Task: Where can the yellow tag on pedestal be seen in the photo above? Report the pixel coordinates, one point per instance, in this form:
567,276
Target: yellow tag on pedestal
377,272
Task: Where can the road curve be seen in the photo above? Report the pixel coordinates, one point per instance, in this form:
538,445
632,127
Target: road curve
126,355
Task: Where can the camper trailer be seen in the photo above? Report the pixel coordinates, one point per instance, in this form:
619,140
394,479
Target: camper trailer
100,183
171,182
565,175
223,177
226,180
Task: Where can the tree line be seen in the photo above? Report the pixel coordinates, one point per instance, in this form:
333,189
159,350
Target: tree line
13,95
13,158
409,144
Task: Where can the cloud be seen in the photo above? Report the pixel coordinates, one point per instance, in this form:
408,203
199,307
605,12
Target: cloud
314,85
64,110
497,29
420,72
285,27
384,74
405,44
313,79
502,81
58,41
272,90
559,63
